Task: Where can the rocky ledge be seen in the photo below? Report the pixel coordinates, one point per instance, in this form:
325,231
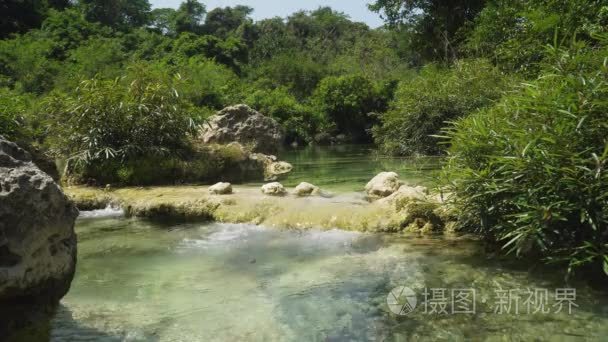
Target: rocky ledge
37,242
406,209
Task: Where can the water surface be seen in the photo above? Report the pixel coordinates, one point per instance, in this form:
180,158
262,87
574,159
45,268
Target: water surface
143,281
349,167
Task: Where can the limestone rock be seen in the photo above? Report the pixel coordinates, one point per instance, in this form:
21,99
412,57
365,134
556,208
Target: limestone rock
242,124
221,189
404,195
305,189
274,189
37,240
383,185
278,168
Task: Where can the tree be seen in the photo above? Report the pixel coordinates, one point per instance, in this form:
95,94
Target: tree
19,16
222,22
189,17
163,20
434,25
347,101
121,14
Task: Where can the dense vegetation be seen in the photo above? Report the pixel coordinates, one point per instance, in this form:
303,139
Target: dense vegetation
514,92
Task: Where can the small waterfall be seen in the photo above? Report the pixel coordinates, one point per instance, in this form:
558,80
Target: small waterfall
109,211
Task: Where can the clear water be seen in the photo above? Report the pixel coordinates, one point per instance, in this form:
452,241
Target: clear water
350,167
143,281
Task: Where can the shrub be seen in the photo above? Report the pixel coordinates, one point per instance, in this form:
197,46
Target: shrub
298,120
515,33
14,110
119,119
531,174
424,105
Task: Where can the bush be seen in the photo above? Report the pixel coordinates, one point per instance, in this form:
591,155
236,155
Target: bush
119,119
531,174
424,105
298,120
200,164
207,83
515,33
14,109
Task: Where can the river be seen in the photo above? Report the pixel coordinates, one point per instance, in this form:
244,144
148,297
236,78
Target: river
139,280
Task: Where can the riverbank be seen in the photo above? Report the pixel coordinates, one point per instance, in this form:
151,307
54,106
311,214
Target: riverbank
347,211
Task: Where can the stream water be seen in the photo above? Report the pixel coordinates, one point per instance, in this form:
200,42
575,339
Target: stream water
345,168
138,280
143,281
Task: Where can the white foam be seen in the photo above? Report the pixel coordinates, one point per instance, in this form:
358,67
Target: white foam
109,211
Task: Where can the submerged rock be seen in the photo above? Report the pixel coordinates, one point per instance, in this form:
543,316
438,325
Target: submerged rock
242,124
37,241
221,188
383,185
274,189
305,189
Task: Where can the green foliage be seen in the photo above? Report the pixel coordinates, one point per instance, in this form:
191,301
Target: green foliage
188,17
434,27
222,22
348,101
27,64
119,119
515,33
530,172
104,57
14,110
195,166
425,104
300,78
19,16
207,83
299,121
123,14
231,52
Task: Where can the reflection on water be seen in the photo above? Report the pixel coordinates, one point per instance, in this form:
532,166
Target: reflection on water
350,167
143,281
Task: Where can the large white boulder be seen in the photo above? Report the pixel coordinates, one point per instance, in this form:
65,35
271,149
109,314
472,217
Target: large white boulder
37,240
242,124
384,184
